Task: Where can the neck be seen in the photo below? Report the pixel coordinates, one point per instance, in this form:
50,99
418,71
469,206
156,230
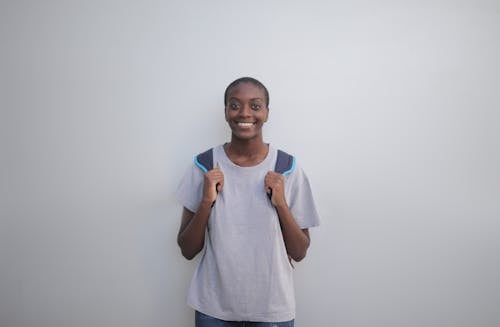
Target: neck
247,148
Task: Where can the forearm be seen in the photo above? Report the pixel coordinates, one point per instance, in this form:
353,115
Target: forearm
192,236
296,239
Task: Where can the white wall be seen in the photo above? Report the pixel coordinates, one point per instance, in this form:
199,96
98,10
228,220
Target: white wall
391,107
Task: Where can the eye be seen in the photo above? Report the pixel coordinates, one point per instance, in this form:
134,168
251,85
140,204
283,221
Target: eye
255,106
234,106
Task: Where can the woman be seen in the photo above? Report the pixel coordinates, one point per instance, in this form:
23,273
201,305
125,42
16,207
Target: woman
251,220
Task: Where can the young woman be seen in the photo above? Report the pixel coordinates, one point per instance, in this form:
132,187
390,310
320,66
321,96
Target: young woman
251,221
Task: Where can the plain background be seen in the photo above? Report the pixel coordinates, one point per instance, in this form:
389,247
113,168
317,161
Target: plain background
391,107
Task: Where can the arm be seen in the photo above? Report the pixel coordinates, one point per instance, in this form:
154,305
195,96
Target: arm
297,240
191,236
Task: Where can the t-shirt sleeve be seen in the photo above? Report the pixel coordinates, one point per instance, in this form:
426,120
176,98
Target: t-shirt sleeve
300,199
190,188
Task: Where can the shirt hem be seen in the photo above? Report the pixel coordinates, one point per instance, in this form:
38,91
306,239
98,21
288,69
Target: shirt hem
262,317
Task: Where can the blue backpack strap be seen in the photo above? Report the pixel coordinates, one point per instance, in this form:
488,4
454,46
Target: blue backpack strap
205,160
285,163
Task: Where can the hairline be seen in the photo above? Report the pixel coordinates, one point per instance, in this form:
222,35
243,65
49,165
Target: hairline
249,80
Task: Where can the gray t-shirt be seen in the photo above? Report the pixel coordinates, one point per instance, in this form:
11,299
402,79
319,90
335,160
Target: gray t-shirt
244,273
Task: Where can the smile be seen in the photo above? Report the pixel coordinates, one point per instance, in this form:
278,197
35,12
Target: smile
242,124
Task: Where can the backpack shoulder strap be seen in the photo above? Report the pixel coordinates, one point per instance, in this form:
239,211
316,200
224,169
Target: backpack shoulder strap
285,163
205,160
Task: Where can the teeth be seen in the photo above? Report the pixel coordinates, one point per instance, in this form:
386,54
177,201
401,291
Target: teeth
245,124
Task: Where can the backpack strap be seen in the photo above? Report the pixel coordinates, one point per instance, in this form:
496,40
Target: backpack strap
285,163
205,160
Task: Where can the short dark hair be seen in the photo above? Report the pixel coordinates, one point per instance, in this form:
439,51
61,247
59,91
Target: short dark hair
246,80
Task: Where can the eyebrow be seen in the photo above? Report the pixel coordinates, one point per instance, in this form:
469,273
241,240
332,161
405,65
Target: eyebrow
252,99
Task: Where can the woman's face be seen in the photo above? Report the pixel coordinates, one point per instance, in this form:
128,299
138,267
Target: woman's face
246,111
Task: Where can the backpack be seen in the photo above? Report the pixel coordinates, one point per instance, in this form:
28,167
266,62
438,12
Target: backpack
285,163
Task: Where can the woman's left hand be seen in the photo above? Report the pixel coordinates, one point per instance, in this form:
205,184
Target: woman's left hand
275,185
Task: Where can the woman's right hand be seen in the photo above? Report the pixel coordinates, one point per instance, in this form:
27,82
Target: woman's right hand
213,183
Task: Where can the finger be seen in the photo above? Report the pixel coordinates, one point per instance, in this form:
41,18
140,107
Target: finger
272,174
220,182
219,178
267,185
215,175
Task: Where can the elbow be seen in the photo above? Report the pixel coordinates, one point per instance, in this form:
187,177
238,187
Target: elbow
299,253
297,257
187,253
188,256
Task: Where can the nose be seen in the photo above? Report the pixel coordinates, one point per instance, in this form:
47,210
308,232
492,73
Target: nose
245,111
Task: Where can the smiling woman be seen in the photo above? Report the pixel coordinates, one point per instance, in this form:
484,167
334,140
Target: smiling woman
250,217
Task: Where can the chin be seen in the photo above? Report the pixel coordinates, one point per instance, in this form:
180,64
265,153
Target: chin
245,136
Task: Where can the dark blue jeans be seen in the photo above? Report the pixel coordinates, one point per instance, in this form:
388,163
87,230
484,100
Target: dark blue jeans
203,320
